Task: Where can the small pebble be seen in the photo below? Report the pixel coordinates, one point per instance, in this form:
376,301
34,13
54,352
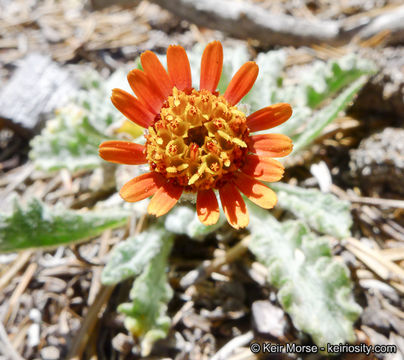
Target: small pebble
50,353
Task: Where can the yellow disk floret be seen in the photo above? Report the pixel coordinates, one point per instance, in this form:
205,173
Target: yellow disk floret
197,140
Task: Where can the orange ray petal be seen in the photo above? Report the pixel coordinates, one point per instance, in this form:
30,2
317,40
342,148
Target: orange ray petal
233,206
123,152
263,168
132,108
178,67
156,73
207,207
164,199
274,145
211,66
241,83
269,117
257,192
146,91
141,187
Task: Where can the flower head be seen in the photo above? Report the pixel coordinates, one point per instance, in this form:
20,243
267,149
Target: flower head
198,140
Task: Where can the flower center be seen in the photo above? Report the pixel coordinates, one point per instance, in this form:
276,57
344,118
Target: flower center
197,140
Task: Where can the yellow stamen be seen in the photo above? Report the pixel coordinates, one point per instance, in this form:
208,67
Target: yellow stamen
193,179
197,139
239,142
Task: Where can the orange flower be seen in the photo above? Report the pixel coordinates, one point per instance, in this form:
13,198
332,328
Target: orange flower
197,140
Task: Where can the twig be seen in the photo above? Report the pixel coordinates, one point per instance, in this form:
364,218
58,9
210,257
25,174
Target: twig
96,278
81,258
6,348
26,278
89,323
398,270
397,312
372,215
15,268
399,204
393,254
203,271
21,175
233,345
386,225
385,269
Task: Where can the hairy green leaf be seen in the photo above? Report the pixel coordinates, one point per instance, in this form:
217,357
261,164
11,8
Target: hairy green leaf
321,81
314,289
146,313
323,212
326,79
130,257
325,116
70,140
38,225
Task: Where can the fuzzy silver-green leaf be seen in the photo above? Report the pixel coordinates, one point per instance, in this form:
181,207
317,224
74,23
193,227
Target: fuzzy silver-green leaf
130,257
146,316
323,212
39,225
325,116
325,79
70,140
314,289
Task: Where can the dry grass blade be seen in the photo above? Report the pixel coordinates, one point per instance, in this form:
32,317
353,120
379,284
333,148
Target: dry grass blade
393,254
233,345
383,267
369,261
26,278
19,263
389,227
96,278
68,28
399,313
80,340
349,195
399,204
7,348
208,267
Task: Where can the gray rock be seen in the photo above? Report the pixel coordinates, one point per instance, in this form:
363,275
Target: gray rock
37,87
378,162
50,353
269,319
384,93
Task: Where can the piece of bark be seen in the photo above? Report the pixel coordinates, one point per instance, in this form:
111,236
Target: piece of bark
392,21
248,21
36,88
101,4
244,20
